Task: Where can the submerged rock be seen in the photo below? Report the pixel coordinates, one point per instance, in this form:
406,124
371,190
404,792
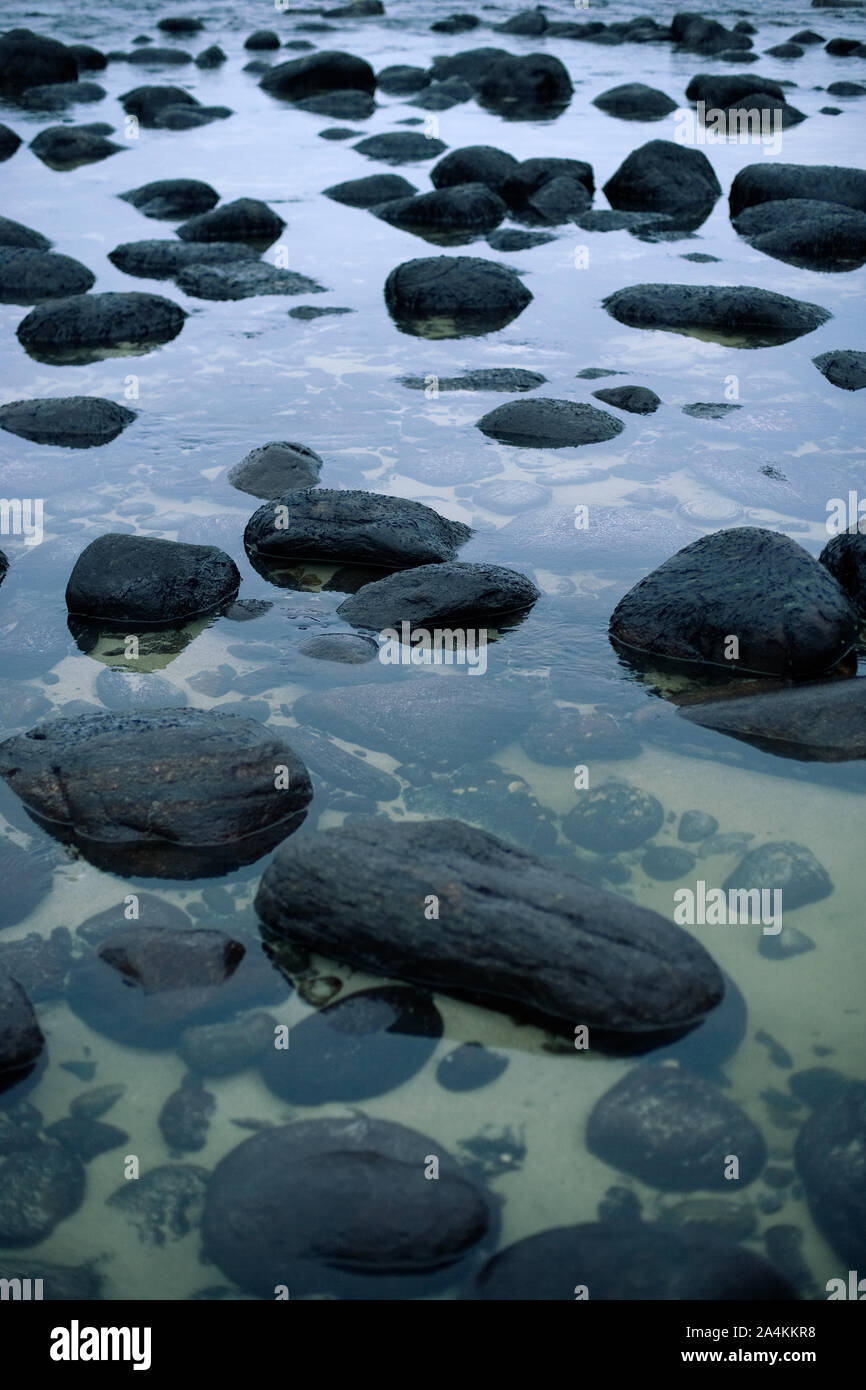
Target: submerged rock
637,400
73,422
674,1131
169,794
222,1049
158,260
184,1119
469,1067
401,80
246,219
845,369
164,1202
541,423
39,1187
435,594
615,816
343,106
786,866
513,931
21,1038
756,586
282,1209
67,147
446,296
830,1154
351,525
631,1262
60,1283
86,326
482,379
741,314
665,177
139,579
147,103
400,147
822,721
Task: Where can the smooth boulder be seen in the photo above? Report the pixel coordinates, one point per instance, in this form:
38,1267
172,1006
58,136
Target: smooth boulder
450,297
525,88
822,721
830,1155
369,191
462,209
273,469
806,232
67,147
30,60
740,314
541,423
73,422
127,579
665,177
172,198
86,325
435,594
635,101
513,931
316,73
160,260
771,182
788,615
34,277
246,219
474,164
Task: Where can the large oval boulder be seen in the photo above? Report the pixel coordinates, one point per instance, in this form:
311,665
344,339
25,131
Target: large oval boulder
366,528
434,594
515,932
740,315
246,219
32,277
400,147
66,147
771,182
371,190
127,579
674,1131
540,423
454,296
341,1207
831,1160
86,327
21,1039
31,60
163,793
316,73
806,232
821,721
525,88
474,164
744,600
635,101
73,422
665,177
723,90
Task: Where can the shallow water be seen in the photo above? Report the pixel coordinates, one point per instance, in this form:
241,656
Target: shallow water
242,373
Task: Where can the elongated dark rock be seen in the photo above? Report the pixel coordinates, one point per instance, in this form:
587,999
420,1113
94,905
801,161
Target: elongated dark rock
73,422
821,721
440,593
740,314
21,1039
512,929
86,324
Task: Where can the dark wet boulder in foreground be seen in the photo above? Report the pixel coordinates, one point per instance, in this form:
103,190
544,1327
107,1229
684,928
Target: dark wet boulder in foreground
637,400
845,557
246,219
740,314
771,182
74,422
21,1040
275,468
361,527
786,614
66,147
454,296
163,793
634,101
29,60
525,88
632,1262
283,1209
34,277
514,931
785,866
367,192
315,73
364,1045
844,368
474,164
160,260
140,579
830,1154
171,198
823,721
86,325
16,234
461,208
9,142
436,594
400,147
665,177
541,423
806,232
674,1131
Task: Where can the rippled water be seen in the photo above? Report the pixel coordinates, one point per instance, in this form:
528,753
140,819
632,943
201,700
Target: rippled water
242,373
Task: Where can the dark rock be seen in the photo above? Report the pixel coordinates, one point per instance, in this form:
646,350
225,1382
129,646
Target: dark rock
455,24
508,933
674,1131
139,579
159,260
808,36
155,57
665,177
806,232
242,281
184,1119
785,50
606,220
524,183
172,198
445,296
39,1187
474,164
432,595
619,1206
147,103
325,71
275,468
845,48
222,1049
400,80
569,736
541,423
87,58
369,191
469,1067
39,965
667,862
246,219
342,769
531,23
465,208
845,557
695,34
783,865
400,147
615,816
353,526
187,116
845,369
86,1138
695,826
525,88
846,89
165,1202
338,132
770,182
33,277
510,239
627,1262
558,200
342,106
741,314
340,647
146,817
74,422
180,24
9,143
29,60
482,379
211,57
830,1155
66,147
634,101
637,400
89,1105
789,618
84,327
262,39
58,96
366,1044
21,1038
709,410
282,1209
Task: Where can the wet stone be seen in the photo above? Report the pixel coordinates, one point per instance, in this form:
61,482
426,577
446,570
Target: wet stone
164,1203
222,1049
790,941
21,1038
619,1207
26,881
541,423
470,1067
184,1119
741,314
667,862
40,966
787,866
845,369
72,422
696,825
87,1138
89,1105
39,1187
613,817
637,400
